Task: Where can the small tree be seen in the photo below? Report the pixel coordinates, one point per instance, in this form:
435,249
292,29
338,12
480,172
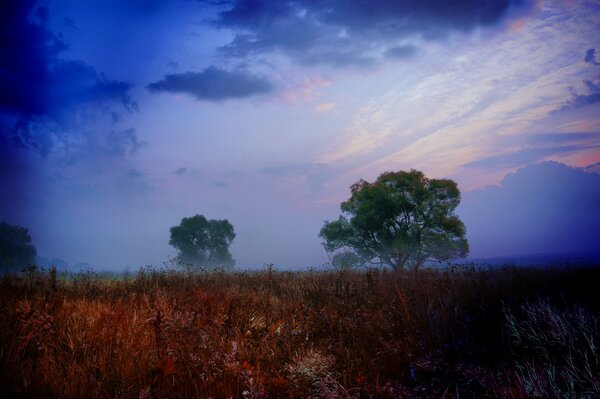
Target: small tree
202,242
403,219
345,260
16,249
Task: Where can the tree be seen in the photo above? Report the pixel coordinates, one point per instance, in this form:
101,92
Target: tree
202,242
16,250
345,260
403,219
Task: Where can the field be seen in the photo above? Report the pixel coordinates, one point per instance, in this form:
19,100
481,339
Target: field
458,332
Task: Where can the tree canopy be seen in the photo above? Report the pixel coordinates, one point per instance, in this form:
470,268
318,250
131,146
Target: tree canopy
16,249
403,219
203,243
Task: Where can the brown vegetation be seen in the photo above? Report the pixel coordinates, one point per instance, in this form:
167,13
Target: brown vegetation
459,332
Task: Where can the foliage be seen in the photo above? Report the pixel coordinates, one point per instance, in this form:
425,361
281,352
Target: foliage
203,243
556,352
374,334
16,249
345,260
403,219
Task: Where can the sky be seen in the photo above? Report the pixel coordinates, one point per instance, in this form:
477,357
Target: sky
118,119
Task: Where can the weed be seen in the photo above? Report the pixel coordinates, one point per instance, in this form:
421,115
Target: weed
456,332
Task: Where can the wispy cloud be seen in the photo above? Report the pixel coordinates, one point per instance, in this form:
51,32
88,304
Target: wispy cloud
324,107
474,106
304,89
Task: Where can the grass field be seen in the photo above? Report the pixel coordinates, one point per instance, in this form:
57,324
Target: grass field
459,332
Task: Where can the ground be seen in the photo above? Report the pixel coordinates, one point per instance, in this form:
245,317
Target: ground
459,331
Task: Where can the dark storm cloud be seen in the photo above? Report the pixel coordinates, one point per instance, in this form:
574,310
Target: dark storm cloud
306,29
50,105
36,85
26,48
15,184
546,207
213,84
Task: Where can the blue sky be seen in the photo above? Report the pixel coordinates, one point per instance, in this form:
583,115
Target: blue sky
117,120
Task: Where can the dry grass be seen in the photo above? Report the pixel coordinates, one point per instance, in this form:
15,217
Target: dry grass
455,333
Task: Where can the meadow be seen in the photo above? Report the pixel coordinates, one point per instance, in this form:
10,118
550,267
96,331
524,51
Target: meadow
455,332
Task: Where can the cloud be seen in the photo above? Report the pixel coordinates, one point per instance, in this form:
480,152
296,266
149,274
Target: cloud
524,156
180,171
545,207
123,143
592,96
35,81
293,169
315,174
476,99
325,107
583,100
69,23
536,148
41,93
590,57
401,52
564,137
338,33
16,183
595,168
213,84
59,117
308,89
220,184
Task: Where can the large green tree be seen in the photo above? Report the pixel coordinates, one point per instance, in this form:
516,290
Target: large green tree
403,219
203,243
16,249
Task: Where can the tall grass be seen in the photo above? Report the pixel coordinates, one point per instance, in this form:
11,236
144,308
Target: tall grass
459,332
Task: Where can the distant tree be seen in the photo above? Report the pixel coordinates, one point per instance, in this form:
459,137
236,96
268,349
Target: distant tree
344,260
16,249
403,219
203,243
